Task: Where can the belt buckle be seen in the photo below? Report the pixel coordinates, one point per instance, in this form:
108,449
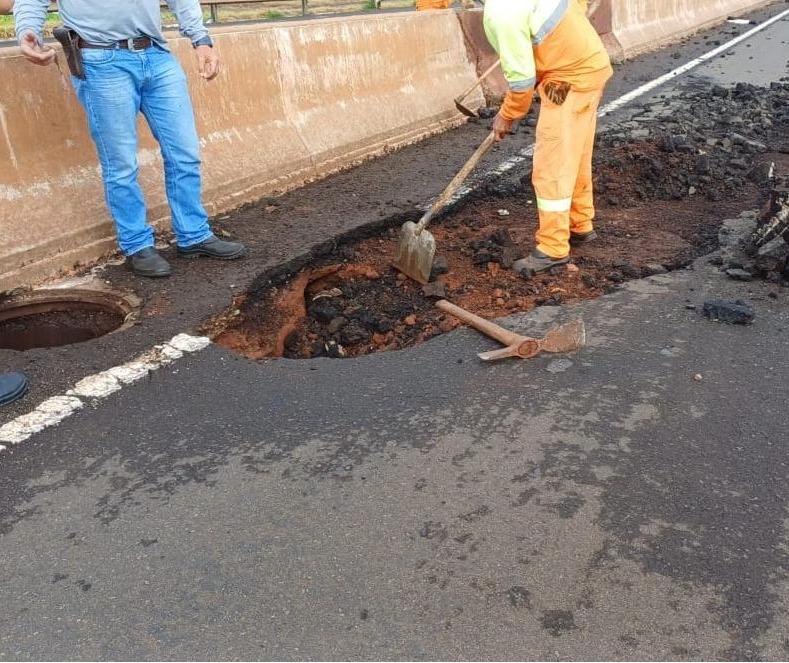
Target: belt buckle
130,45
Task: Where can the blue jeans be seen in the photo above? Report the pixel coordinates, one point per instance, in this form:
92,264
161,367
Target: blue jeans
120,84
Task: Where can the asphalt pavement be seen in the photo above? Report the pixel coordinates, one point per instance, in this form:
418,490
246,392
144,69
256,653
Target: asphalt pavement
626,502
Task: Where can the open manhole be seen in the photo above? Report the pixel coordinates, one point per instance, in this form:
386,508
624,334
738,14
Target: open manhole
51,318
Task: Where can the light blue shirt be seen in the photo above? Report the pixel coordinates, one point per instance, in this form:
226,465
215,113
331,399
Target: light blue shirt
109,21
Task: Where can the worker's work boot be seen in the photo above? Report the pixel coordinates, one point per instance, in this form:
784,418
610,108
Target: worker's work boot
148,262
214,247
537,262
576,239
12,387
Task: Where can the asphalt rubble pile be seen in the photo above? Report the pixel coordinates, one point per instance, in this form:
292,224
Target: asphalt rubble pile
706,142
713,141
719,140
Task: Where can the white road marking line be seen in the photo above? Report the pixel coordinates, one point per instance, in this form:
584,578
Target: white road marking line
95,387
101,385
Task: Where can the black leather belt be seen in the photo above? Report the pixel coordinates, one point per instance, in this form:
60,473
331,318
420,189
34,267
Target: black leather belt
135,44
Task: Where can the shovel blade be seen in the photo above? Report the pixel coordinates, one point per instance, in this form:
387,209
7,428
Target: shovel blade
567,338
466,111
415,253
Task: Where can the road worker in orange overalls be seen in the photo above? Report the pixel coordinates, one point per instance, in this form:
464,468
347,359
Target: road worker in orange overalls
550,45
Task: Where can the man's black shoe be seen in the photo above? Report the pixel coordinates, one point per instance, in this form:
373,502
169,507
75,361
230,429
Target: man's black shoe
148,262
12,387
537,262
214,247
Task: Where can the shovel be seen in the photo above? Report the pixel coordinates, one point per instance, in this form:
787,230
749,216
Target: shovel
459,100
417,246
565,338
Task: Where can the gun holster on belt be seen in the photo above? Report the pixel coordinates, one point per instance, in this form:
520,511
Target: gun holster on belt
69,40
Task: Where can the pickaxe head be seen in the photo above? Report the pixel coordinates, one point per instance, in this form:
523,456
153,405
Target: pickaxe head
463,109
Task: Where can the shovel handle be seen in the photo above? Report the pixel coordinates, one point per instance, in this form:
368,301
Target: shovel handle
487,327
478,81
454,185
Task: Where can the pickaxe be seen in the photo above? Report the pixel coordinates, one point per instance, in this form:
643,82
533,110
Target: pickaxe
565,338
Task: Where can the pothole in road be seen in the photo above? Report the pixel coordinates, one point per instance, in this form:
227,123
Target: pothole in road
359,304
661,199
52,318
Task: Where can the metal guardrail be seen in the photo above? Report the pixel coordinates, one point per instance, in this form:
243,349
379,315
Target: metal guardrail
213,7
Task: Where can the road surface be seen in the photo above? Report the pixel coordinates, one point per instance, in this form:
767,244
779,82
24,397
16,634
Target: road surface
421,505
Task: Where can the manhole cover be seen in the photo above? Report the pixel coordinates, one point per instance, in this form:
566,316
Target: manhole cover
51,318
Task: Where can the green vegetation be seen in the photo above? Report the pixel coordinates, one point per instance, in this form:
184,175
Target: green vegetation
7,26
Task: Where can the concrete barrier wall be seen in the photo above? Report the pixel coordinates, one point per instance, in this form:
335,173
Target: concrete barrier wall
295,102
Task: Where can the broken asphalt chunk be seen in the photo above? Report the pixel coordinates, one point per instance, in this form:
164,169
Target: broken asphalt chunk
324,310
732,312
739,275
437,290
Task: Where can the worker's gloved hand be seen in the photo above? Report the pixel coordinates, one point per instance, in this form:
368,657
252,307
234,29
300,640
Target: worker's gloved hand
501,127
516,105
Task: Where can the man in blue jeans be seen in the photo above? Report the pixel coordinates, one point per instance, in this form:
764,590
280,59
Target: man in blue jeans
129,69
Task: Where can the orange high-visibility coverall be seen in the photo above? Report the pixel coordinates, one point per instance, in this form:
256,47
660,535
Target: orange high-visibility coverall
550,45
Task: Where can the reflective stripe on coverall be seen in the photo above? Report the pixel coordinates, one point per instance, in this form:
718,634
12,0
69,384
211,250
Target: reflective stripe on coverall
550,44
